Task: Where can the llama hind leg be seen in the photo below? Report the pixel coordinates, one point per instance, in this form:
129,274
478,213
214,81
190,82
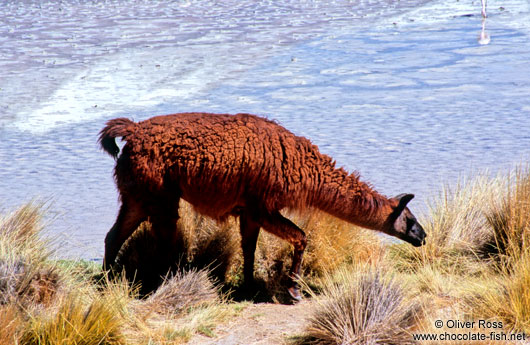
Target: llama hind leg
282,227
164,217
129,218
249,237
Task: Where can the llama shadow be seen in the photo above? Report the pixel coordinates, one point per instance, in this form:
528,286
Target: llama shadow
259,291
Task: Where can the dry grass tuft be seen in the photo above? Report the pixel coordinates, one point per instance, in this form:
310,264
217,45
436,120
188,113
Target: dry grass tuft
367,306
42,288
184,305
11,322
333,243
25,275
76,322
457,227
12,272
510,219
180,328
23,223
507,297
20,233
183,291
26,283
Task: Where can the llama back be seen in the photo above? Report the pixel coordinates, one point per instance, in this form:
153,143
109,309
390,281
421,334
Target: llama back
221,161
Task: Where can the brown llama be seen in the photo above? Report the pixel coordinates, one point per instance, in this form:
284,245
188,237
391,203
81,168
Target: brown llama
241,165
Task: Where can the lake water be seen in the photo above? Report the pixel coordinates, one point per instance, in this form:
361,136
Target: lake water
399,90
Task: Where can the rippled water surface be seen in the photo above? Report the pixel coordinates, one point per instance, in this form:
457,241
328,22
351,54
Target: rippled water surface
398,90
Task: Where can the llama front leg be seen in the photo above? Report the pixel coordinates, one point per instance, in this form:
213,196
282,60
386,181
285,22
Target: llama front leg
282,227
249,237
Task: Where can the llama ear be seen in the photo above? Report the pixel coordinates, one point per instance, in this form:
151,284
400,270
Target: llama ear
403,199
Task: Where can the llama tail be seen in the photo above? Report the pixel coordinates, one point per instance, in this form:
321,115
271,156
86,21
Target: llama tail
120,127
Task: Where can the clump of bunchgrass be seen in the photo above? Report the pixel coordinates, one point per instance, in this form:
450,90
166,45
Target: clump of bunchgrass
367,305
440,285
12,273
76,321
181,328
333,242
183,291
27,283
42,288
185,304
457,228
510,219
20,241
26,276
487,276
11,322
507,296
23,227
47,306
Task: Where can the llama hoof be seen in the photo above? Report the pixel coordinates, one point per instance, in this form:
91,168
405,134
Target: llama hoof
295,293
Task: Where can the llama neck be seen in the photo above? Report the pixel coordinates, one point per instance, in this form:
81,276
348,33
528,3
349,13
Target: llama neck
344,196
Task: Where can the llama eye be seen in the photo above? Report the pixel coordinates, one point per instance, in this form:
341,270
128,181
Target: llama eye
410,223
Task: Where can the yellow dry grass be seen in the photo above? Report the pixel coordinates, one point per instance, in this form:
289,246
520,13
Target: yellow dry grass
366,305
457,227
44,301
476,265
76,322
11,322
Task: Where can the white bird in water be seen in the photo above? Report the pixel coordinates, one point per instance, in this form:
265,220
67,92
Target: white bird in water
483,37
484,15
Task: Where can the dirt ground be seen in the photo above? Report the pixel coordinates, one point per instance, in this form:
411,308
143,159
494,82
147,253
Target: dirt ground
261,323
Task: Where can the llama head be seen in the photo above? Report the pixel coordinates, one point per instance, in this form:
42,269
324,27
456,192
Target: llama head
403,224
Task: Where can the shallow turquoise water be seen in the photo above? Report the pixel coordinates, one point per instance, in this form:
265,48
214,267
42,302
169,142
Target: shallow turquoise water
401,92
